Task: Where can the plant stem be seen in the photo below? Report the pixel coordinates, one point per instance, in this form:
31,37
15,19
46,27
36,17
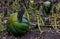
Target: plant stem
38,22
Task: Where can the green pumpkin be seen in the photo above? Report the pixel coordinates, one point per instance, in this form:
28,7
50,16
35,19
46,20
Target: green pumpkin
47,7
15,27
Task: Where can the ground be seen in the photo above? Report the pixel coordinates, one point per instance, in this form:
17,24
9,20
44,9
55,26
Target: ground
33,33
